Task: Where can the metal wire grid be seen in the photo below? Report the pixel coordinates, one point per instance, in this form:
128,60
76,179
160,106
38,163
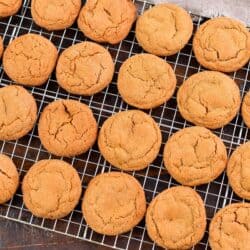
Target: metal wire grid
155,178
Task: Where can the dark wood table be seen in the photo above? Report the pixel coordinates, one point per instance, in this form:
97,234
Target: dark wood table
14,235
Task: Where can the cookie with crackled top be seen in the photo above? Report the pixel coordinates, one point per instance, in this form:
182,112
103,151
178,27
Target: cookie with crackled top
245,109
222,44
210,99
176,218
67,128
130,140
9,7
85,68
113,203
30,59
230,228
107,20
51,189
164,29
146,81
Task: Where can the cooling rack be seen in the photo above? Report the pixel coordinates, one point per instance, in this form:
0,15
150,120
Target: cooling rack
26,151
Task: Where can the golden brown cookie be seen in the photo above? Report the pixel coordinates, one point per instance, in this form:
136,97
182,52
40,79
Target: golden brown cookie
230,228
67,128
222,44
238,171
1,46
201,160
164,29
18,112
51,189
130,140
85,68
245,109
113,203
9,178
30,59
209,98
55,14
146,81
9,7
176,218
107,20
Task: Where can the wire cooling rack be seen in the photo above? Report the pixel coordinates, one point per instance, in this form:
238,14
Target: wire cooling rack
26,151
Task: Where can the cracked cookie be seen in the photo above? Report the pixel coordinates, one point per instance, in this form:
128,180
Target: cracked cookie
146,81
176,218
211,50
9,7
230,228
18,112
51,189
113,203
202,160
209,98
238,171
245,109
164,29
107,20
85,68
9,178
30,59
55,14
67,128
130,140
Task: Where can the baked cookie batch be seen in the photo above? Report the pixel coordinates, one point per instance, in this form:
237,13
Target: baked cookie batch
115,202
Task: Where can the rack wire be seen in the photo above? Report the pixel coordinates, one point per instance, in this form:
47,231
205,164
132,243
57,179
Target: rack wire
27,150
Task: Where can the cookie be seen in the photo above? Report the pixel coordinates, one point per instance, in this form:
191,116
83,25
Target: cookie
30,59
51,189
107,20
146,81
113,203
201,160
67,128
211,50
9,178
209,98
18,111
1,46
85,68
9,7
176,218
164,29
55,14
230,228
245,109
238,171
130,140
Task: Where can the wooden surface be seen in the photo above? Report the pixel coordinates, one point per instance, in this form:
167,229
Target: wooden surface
14,235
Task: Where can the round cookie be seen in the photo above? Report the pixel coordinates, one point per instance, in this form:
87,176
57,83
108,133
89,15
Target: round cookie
9,7
164,29
67,128
214,53
18,112
238,171
1,46
201,160
107,20
51,189
230,229
85,68
130,140
113,203
30,59
55,14
245,109
146,81
176,218
209,98
9,178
